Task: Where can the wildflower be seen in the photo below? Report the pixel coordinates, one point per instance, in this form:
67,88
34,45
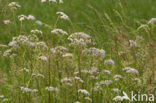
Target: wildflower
13,55
43,58
31,17
6,22
39,23
53,51
76,73
95,52
106,71
51,89
77,102
93,70
26,70
59,31
137,80
14,5
153,20
13,44
61,1
28,43
36,31
34,90
79,42
109,62
42,44
22,17
131,70
79,79
26,90
59,49
83,91
132,43
62,15
34,37
7,52
1,96
43,1
93,77
85,71
78,35
5,100
68,55
97,88
117,77
80,39
106,82
67,81
116,90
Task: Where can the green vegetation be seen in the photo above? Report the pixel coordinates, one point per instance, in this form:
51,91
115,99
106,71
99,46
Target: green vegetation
87,51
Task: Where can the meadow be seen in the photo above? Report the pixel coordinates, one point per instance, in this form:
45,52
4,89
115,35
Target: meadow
77,51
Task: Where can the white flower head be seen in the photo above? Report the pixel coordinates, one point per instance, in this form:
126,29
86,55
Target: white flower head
62,15
95,52
131,70
39,23
26,89
26,70
5,100
67,81
80,39
77,102
109,62
117,77
137,80
116,90
59,31
106,82
13,55
42,44
68,55
59,50
6,22
79,79
43,1
22,17
106,71
132,43
36,31
1,96
43,58
7,52
51,89
83,91
153,20
31,17
61,1
14,5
